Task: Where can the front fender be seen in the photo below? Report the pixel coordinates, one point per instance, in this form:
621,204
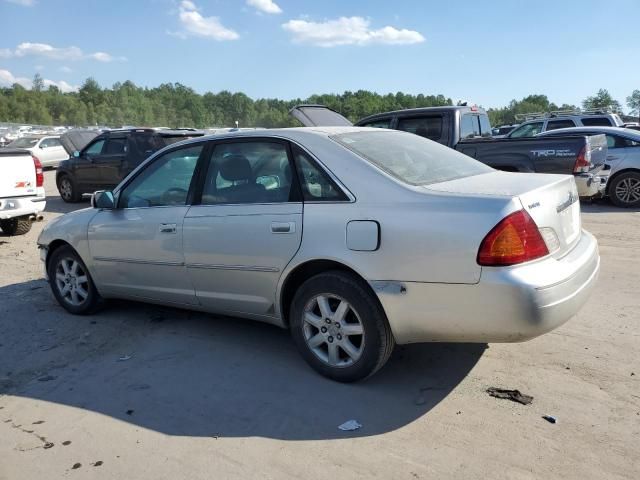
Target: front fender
71,228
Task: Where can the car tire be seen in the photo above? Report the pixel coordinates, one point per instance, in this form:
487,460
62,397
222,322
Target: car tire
16,226
71,282
624,190
68,189
339,327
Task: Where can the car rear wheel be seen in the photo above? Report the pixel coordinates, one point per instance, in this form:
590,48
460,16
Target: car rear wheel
15,226
71,282
339,327
624,191
68,190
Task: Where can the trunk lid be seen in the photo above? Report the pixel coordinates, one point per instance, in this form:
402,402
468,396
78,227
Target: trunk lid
318,116
551,200
17,173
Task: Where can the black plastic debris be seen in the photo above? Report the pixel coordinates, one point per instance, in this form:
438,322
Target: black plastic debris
550,419
513,395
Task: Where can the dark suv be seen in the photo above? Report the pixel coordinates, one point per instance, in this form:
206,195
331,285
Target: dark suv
111,156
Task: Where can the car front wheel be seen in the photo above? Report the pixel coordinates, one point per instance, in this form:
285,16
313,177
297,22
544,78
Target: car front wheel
71,282
68,190
339,327
625,190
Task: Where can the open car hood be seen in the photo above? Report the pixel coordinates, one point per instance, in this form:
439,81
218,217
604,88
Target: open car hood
77,139
318,116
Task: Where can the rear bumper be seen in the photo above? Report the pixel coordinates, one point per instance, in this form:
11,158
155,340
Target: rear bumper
508,304
590,184
13,207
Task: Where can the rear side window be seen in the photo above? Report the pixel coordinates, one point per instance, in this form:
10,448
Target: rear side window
469,126
316,185
50,142
485,125
428,127
596,122
411,158
556,124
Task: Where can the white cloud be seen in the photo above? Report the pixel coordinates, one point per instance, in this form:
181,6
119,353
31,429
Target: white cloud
7,79
348,31
43,50
24,3
194,24
266,6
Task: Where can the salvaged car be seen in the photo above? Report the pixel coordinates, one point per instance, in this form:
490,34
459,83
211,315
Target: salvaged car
353,238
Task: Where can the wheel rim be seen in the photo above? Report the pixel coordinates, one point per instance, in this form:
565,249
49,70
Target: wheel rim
628,190
333,330
65,188
72,281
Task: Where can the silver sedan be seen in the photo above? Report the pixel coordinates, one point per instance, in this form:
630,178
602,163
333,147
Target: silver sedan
355,239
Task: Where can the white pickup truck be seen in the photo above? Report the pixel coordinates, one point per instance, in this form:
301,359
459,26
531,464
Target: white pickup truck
22,197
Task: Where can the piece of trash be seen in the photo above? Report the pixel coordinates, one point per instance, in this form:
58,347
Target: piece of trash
513,395
39,422
76,466
124,358
46,378
458,412
550,419
47,445
66,442
350,425
98,463
129,412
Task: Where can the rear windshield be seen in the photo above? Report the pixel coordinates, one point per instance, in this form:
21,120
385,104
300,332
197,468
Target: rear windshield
410,158
24,142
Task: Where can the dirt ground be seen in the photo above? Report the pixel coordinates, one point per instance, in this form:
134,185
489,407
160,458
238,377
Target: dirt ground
146,392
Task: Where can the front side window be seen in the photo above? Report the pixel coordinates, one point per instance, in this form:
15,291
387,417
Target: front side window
95,148
556,124
428,127
527,130
115,146
316,185
164,182
248,172
411,158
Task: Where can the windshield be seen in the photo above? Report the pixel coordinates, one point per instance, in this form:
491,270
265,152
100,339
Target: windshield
24,142
410,158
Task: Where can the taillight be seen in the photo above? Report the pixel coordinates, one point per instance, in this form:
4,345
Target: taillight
583,161
39,175
516,239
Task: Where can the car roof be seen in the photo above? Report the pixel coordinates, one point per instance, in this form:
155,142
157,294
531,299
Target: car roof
594,130
419,110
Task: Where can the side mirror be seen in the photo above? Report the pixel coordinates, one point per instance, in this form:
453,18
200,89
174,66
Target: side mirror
76,153
103,199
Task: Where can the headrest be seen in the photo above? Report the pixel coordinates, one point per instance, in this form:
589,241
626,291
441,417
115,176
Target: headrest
235,167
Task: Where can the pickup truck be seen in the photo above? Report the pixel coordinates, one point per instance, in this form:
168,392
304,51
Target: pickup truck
468,130
22,197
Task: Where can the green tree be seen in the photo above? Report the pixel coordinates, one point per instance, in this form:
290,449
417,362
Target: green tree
602,99
633,102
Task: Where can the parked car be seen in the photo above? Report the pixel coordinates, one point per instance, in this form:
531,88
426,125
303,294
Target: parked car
542,122
622,163
99,160
353,238
468,130
22,197
47,149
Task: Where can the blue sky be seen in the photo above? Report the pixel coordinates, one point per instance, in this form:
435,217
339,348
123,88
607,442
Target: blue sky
486,52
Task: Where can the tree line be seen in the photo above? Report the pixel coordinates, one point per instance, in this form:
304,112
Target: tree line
176,105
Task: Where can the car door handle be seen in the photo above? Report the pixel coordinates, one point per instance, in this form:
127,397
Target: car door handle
283,227
168,228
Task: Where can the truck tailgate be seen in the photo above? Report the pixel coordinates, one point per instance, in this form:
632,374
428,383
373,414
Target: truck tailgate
17,173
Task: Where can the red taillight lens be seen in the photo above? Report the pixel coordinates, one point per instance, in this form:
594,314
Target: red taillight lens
516,239
39,175
583,161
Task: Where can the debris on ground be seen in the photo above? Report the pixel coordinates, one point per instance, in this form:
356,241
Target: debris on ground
124,358
513,395
66,442
350,425
39,422
76,466
550,419
47,445
98,463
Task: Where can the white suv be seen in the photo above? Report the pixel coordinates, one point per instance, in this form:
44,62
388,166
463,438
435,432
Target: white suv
543,122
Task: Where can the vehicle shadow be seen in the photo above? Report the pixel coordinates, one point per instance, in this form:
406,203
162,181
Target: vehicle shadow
192,374
55,204
604,206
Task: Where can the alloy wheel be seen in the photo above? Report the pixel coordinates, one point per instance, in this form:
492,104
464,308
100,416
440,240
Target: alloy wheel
72,281
628,190
66,190
333,330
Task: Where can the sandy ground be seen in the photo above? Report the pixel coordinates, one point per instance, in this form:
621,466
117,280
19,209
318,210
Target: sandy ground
204,397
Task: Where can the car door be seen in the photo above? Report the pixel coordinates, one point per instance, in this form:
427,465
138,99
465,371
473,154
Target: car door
246,228
137,247
86,173
616,150
109,162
